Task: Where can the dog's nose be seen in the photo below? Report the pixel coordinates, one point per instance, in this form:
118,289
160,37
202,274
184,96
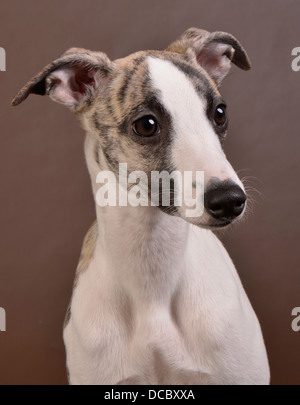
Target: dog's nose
225,201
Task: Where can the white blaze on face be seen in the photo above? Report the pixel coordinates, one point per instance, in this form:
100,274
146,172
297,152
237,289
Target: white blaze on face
195,145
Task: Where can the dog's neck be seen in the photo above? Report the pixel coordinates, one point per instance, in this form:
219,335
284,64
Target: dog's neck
143,247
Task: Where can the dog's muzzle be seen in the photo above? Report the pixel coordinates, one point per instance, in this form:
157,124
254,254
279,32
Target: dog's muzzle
224,201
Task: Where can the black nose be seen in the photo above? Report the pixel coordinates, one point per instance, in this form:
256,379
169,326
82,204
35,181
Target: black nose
225,201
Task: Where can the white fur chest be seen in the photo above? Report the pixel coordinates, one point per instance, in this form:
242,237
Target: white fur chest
203,330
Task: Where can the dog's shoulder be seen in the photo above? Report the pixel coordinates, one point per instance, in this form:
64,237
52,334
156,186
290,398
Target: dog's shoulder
88,248
86,255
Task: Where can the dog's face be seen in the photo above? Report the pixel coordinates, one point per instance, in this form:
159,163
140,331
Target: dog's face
156,111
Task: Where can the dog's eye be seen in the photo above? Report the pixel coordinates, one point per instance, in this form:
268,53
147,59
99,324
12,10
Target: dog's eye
146,126
220,116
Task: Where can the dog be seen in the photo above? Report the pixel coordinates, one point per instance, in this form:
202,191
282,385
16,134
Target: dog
156,297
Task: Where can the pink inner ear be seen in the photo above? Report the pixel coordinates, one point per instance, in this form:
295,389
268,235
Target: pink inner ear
68,84
81,78
215,58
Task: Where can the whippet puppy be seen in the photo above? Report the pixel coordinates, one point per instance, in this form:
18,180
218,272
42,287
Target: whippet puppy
156,297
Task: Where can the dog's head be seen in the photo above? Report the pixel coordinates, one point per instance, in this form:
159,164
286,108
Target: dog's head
156,111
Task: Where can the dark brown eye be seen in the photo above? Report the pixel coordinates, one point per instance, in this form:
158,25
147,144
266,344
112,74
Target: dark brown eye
220,116
146,126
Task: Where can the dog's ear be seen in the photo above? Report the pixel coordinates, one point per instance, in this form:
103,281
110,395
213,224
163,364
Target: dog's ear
213,51
71,79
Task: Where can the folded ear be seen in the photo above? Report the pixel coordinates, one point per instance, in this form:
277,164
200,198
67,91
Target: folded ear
71,79
213,51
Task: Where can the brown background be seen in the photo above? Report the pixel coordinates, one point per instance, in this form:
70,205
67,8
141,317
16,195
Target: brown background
46,200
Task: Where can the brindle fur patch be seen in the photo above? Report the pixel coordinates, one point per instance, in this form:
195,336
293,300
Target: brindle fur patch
86,255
